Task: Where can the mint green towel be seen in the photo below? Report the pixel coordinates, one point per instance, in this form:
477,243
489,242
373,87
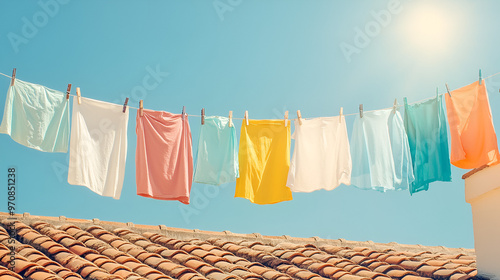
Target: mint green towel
425,125
217,155
36,117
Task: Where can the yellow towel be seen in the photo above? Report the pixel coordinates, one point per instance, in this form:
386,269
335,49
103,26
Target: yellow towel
264,158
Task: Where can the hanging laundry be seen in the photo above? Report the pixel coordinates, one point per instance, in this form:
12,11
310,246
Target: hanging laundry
217,156
473,138
163,158
264,157
36,117
425,125
98,146
380,151
321,157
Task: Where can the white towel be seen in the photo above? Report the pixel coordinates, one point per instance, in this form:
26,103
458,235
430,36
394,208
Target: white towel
321,157
98,146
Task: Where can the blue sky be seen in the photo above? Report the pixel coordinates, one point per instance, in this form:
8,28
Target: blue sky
265,57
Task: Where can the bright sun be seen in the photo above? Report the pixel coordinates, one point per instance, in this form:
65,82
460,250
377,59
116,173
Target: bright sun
428,28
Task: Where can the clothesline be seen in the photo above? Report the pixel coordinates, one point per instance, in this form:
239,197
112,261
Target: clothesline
351,114
390,153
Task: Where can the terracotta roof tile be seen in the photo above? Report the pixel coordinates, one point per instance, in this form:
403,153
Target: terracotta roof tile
466,269
386,268
413,277
271,274
77,249
444,273
359,259
331,249
329,271
258,269
473,273
369,274
368,262
411,265
437,262
6,274
20,265
305,275
460,276
399,274
351,277
374,265
427,270
396,259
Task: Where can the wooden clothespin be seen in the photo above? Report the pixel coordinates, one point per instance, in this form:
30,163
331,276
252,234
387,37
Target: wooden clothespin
141,112
13,77
68,91
299,117
246,117
183,111
79,95
361,110
286,118
340,114
395,106
480,77
230,118
448,90
125,105
203,116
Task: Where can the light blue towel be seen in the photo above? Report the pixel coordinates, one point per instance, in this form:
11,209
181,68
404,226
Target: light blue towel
36,117
217,155
380,153
425,125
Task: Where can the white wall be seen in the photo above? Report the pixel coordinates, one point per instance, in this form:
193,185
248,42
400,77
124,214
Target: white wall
482,191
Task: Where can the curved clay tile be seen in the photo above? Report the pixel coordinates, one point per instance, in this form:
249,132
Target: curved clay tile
6,274
205,269
396,260
411,265
397,273
20,265
332,250
386,268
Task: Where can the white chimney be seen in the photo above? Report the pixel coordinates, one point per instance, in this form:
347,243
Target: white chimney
482,191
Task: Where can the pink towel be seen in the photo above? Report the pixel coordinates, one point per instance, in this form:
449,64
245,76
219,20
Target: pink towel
164,157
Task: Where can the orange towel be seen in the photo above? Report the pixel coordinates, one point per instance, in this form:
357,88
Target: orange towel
473,138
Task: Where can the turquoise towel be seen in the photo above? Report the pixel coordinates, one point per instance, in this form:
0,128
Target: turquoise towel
217,155
36,117
425,125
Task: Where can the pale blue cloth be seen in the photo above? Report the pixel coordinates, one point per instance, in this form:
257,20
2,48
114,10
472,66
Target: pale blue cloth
425,125
217,155
380,152
36,117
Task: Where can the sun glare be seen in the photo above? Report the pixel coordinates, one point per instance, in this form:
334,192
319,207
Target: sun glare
428,28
